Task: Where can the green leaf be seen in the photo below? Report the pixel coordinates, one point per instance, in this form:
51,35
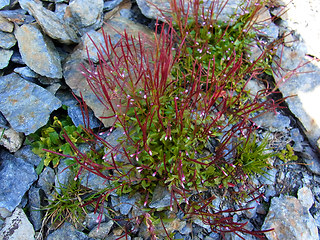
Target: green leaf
54,137
40,167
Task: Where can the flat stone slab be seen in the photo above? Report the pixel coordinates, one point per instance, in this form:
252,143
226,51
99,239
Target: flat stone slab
52,24
300,79
38,51
17,227
25,105
16,177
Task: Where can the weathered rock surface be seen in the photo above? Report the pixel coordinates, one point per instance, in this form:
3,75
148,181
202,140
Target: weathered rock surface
67,231
290,220
34,199
38,51
7,40
102,231
87,12
5,25
26,72
11,139
28,156
46,180
151,8
303,18
25,105
5,56
14,184
303,84
4,3
161,198
17,227
52,25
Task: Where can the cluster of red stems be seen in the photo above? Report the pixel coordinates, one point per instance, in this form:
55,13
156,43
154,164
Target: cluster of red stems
136,73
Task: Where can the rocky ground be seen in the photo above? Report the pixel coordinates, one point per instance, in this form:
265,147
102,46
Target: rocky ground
42,44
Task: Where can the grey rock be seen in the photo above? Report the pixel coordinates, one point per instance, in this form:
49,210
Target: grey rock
46,180
52,25
75,114
11,179
17,227
161,198
34,196
250,213
16,58
17,16
4,213
312,160
25,105
297,138
38,51
124,204
273,122
3,122
87,12
6,25
305,197
5,56
102,231
151,8
63,176
67,231
271,31
53,88
290,220
24,4
4,3
301,16
109,5
25,72
300,78
11,139
28,156
93,181
269,178
92,220
7,40
89,40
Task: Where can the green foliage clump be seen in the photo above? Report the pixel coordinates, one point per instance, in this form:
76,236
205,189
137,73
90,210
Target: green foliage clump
51,137
287,154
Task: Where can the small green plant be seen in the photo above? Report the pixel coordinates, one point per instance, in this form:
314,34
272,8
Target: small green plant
51,137
66,205
287,154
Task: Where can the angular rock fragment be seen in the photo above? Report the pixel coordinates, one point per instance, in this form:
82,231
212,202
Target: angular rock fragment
67,231
52,25
35,196
290,220
5,25
151,9
300,79
5,56
7,40
38,51
14,184
17,227
11,139
17,16
4,3
86,12
25,105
